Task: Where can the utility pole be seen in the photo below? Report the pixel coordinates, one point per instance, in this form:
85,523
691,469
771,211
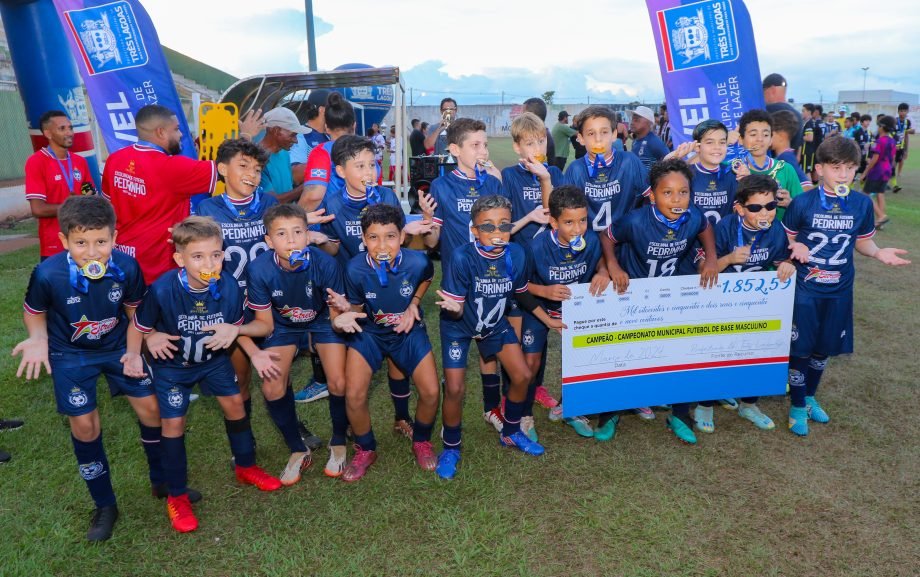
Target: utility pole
503,97
865,70
411,96
311,40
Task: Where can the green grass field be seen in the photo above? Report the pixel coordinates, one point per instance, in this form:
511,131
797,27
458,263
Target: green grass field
842,501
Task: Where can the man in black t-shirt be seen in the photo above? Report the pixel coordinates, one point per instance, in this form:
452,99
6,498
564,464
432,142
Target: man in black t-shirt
416,139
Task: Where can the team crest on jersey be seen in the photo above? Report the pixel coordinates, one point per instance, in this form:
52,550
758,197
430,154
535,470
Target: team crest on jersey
387,319
297,314
94,330
405,289
77,397
115,293
174,397
77,175
669,237
493,271
473,191
822,276
528,337
130,168
90,471
200,308
309,288
711,187
795,333
601,177
455,352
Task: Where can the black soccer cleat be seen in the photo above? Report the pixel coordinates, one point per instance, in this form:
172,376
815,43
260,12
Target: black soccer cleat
10,424
313,442
100,528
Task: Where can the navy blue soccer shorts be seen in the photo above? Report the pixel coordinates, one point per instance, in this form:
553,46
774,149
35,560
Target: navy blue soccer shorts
318,332
75,378
533,334
406,350
455,343
174,384
822,326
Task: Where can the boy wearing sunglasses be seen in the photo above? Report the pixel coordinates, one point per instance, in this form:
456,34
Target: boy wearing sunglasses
752,239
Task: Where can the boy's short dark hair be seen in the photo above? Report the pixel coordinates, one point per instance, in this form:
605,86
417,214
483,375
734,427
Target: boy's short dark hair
195,228
903,106
461,128
754,115
865,117
707,126
887,123
81,213
536,106
348,147
340,114
753,184
838,150
809,107
489,202
597,111
786,122
566,196
383,214
283,211
819,108
228,150
662,168
46,117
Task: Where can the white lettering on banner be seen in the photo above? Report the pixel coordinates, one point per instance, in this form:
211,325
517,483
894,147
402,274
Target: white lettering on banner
693,111
122,121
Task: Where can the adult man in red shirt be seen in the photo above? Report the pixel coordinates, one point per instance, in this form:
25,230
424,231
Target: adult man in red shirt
53,174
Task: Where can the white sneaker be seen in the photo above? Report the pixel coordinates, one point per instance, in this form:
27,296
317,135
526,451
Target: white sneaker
296,464
704,420
494,418
528,428
555,414
335,466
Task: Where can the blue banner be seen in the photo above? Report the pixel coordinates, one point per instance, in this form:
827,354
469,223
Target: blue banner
708,62
123,67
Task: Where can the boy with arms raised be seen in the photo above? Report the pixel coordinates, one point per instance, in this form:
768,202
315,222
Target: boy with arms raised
655,238
751,239
77,307
569,253
825,226
386,285
756,130
203,310
452,197
293,280
478,282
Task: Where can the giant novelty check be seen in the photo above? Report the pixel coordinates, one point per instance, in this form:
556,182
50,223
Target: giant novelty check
666,340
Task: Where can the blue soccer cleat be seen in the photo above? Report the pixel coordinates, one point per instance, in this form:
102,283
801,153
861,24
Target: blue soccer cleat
312,392
522,443
447,463
798,421
815,412
681,430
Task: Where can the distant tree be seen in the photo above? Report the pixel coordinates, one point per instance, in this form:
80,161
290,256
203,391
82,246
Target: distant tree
548,97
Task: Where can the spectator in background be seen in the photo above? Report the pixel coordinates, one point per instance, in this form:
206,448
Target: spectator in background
646,144
622,134
416,139
577,146
774,96
392,148
664,126
562,133
53,174
538,107
437,136
315,111
424,128
281,130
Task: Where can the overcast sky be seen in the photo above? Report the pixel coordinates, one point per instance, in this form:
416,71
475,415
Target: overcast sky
476,49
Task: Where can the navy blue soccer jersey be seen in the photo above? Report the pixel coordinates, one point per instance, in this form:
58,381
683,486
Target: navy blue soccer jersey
295,298
612,191
650,149
555,263
173,308
79,321
486,283
713,192
523,188
345,229
651,245
768,247
829,227
455,194
242,227
789,157
385,305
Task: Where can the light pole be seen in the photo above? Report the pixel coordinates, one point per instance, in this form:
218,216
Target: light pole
311,40
865,70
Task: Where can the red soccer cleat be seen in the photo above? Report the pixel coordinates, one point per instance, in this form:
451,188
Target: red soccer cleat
544,399
180,513
424,455
257,476
359,465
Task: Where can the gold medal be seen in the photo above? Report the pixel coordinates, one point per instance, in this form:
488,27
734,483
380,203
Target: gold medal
93,270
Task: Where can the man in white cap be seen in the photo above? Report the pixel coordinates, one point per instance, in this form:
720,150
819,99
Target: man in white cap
646,144
281,130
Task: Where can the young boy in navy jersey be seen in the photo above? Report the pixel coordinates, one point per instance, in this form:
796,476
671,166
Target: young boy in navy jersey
452,196
825,226
202,311
478,282
569,253
526,184
294,280
751,239
612,181
77,307
654,239
385,285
